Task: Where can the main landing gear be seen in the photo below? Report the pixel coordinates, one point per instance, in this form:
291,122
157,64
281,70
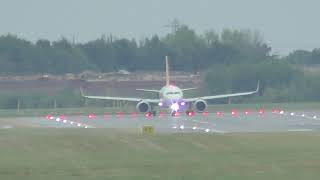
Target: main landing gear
151,113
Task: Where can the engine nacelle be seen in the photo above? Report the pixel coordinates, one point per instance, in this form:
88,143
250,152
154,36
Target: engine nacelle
200,105
143,107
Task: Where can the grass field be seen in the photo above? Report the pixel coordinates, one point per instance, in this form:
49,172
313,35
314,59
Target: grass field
112,154
101,110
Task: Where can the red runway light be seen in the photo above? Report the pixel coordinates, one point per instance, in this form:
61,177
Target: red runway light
91,116
190,113
247,112
49,117
218,114
261,111
61,117
161,114
148,115
133,114
205,113
119,114
106,115
234,112
275,111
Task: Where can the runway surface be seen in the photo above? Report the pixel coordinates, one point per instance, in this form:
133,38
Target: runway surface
215,122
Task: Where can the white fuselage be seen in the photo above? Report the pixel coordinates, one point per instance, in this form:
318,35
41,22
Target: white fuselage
170,95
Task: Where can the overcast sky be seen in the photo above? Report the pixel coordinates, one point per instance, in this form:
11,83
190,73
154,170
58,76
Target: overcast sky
285,24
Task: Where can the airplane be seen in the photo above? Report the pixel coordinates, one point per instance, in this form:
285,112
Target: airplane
171,96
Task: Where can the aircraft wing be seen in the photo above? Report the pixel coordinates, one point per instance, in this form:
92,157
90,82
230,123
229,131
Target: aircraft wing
223,95
188,89
120,98
148,90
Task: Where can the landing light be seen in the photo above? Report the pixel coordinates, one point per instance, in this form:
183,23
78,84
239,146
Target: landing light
183,103
175,107
160,104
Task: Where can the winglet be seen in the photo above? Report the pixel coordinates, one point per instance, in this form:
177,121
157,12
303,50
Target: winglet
81,91
258,86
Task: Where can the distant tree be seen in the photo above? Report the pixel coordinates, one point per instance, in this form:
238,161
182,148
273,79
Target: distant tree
249,45
186,47
211,37
63,43
43,43
125,53
299,57
315,57
151,54
101,53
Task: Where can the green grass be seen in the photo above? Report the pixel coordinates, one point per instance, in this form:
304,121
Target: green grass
101,110
111,154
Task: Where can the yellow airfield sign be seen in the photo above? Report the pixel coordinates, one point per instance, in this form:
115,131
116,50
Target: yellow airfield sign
148,129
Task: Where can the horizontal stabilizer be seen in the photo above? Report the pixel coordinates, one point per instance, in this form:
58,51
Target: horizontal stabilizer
187,89
148,90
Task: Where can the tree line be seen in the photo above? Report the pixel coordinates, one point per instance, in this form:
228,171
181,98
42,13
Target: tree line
190,52
232,61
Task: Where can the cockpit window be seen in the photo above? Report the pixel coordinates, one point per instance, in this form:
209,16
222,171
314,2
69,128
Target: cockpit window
170,93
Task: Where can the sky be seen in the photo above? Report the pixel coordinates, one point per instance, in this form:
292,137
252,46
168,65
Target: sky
286,25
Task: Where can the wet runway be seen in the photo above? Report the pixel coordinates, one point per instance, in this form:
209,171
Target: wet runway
221,122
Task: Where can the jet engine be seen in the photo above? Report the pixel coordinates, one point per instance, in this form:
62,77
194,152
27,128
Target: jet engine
200,105
143,107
